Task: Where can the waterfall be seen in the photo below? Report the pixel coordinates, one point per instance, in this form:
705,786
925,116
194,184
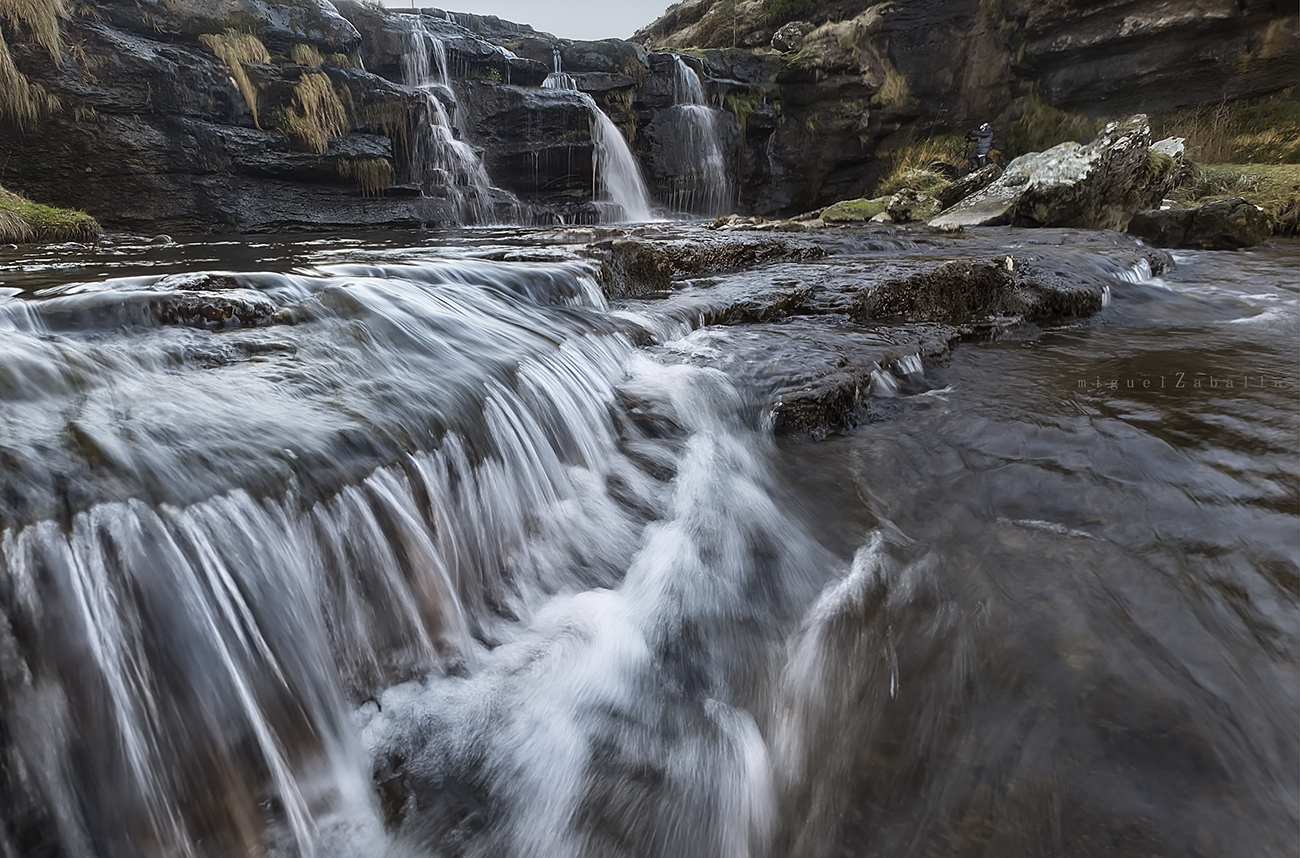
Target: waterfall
702,186
445,161
616,177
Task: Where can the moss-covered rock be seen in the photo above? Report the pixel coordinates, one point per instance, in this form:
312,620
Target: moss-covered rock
855,211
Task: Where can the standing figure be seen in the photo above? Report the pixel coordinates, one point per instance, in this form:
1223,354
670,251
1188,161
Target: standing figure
982,137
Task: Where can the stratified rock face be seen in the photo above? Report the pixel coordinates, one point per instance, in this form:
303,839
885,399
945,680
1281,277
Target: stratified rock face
279,24
1097,186
872,75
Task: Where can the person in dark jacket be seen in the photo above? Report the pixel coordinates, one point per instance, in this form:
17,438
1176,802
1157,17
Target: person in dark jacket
982,137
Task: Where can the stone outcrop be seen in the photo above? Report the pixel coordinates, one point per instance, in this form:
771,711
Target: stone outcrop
1097,186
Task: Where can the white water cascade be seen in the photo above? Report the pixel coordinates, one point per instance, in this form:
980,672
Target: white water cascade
445,160
615,176
702,187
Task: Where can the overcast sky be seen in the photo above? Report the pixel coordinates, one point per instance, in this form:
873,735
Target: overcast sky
568,19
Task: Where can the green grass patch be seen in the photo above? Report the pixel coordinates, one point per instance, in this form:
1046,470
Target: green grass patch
24,222
1273,187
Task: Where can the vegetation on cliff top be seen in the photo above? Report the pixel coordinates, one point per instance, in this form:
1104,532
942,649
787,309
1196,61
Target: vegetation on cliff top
23,221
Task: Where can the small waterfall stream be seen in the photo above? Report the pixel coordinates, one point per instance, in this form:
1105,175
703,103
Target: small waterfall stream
444,159
615,175
703,187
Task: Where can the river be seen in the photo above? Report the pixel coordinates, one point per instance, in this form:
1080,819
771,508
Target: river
418,545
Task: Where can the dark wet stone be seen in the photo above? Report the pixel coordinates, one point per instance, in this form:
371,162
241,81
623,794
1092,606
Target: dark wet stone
1228,224
1162,227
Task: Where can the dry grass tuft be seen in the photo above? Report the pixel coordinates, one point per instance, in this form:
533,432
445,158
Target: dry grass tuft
925,166
1042,126
306,55
1273,187
22,102
234,49
893,91
1263,132
317,114
372,176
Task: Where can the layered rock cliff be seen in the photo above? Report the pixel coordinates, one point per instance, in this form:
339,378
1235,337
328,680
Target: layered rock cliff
250,115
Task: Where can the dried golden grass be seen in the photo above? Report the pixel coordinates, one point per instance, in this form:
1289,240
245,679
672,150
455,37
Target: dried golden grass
1262,132
22,102
306,55
317,115
372,176
234,49
924,166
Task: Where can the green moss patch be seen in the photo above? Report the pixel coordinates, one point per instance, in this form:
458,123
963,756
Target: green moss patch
23,222
855,211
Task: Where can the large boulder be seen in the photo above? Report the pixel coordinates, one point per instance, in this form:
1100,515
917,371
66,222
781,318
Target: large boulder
1096,186
1228,224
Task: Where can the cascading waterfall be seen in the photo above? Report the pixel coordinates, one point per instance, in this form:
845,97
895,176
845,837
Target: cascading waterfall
616,177
436,472
446,161
703,187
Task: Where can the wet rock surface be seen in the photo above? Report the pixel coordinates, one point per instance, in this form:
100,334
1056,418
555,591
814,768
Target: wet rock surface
825,328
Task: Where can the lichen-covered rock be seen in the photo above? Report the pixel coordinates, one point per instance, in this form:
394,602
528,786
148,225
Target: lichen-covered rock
908,206
967,185
1097,186
789,36
1229,224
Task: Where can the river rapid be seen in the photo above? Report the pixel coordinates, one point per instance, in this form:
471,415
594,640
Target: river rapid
419,545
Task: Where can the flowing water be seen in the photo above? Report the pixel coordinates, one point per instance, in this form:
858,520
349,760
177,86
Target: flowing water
616,180
419,547
702,187
442,160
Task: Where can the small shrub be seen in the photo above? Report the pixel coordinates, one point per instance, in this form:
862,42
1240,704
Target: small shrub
779,12
234,49
372,176
316,116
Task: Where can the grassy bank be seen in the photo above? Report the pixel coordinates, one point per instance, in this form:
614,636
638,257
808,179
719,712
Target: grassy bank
1273,187
23,222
